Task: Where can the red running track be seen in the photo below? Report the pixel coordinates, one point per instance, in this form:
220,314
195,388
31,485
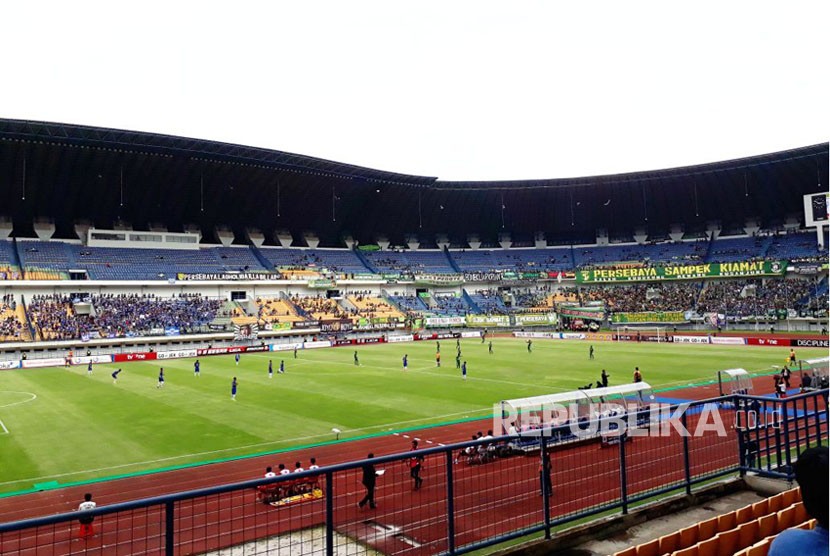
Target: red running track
489,500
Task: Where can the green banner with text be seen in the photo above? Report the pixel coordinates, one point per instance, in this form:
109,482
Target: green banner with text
648,317
682,272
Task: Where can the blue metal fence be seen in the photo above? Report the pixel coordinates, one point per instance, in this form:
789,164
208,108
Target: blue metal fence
474,494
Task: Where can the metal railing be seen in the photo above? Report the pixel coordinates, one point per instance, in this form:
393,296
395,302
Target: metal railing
474,494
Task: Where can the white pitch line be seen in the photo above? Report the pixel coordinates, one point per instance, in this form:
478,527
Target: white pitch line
5,430
32,398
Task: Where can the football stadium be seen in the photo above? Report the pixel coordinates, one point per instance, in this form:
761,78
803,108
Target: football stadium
166,366
332,279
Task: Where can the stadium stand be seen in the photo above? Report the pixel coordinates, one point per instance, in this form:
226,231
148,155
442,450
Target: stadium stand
646,296
319,307
745,248
44,260
56,317
667,252
483,260
9,268
746,531
334,260
451,306
411,262
753,297
795,247
373,307
276,310
489,302
13,327
411,303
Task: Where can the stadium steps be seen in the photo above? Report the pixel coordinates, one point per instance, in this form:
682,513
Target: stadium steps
452,262
266,264
372,268
469,301
743,531
573,257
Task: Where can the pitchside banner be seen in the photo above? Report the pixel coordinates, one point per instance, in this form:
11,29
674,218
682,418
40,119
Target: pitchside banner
648,317
536,319
589,313
444,321
682,272
488,320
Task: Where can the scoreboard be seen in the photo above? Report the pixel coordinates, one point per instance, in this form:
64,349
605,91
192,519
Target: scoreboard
815,209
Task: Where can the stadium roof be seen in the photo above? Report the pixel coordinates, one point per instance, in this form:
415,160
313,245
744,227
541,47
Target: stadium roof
65,173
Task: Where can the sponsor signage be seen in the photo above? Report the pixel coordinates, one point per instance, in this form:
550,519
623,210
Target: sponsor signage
336,325
433,322
682,272
9,365
649,317
470,334
316,344
404,338
127,357
321,283
226,276
302,324
690,339
176,354
254,349
221,350
806,342
287,347
49,362
599,336
276,326
728,340
755,341
87,359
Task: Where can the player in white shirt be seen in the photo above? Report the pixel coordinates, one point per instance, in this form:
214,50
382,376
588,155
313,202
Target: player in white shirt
283,470
313,465
298,468
269,472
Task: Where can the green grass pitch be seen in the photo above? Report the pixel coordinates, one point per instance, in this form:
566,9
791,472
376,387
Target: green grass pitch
81,427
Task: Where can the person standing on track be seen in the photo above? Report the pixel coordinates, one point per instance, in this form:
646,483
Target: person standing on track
415,462
604,379
86,529
196,368
234,385
160,383
369,480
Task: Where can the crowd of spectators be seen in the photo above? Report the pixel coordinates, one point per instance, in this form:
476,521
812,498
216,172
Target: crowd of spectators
56,318
11,329
319,307
745,298
679,296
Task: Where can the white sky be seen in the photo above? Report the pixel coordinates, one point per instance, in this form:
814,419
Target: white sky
462,90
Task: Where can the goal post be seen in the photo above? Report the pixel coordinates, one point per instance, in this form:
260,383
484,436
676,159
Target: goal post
646,333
